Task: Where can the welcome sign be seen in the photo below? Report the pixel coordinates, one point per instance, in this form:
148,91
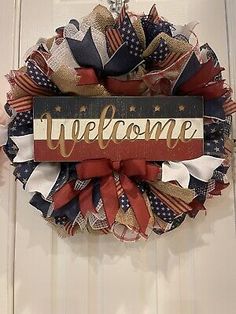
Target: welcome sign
76,128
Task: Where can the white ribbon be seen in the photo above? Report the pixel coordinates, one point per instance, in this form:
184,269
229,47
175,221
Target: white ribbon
41,41
201,168
175,171
25,143
43,178
62,55
184,30
44,175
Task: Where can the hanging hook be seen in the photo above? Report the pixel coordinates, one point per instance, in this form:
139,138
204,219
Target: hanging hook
116,5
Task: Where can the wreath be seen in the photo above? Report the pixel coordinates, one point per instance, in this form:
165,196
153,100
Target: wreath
132,55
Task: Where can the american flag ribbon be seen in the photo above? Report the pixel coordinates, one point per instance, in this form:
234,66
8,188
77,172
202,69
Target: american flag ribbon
114,39
121,16
30,87
169,60
23,171
160,53
123,199
152,30
160,209
200,189
153,15
39,59
38,77
21,104
128,33
118,186
229,107
177,205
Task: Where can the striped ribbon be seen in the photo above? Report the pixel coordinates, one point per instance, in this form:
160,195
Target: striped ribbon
169,60
21,104
177,205
121,15
120,190
30,87
153,15
114,39
229,107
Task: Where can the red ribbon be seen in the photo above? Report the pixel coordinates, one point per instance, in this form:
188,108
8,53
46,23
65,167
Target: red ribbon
104,168
126,88
204,75
212,91
64,195
68,193
87,76
203,82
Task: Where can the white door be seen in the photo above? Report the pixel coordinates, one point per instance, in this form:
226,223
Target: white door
189,271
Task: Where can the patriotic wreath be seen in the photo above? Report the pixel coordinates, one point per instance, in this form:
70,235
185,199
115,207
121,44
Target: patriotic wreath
133,55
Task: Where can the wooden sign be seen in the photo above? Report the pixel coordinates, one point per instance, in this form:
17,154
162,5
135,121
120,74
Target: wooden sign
118,128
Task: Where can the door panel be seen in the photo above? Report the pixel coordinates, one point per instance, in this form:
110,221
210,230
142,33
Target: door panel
188,271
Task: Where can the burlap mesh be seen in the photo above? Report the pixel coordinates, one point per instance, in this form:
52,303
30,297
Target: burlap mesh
127,218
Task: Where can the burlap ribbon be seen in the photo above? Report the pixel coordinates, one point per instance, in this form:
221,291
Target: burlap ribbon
174,190
67,81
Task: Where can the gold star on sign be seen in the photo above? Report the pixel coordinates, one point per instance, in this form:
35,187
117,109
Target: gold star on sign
132,108
181,108
83,109
157,108
58,108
